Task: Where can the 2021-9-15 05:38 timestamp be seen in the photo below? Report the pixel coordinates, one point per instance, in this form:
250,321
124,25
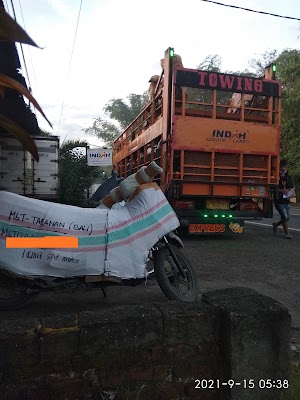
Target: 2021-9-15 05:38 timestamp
245,383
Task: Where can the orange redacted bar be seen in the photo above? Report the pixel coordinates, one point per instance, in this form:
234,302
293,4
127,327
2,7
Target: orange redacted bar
47,242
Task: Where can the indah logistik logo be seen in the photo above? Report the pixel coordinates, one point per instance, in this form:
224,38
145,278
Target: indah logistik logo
226,136
100,154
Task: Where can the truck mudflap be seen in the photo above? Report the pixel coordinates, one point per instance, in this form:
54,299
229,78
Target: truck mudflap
211,226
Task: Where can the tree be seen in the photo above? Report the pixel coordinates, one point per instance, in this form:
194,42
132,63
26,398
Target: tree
119,115
75,176
293,158
212,62
124,112
288,71
104,130
259,64
43,132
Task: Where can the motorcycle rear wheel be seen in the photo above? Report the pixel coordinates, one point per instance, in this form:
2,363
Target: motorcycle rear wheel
169,279
13,294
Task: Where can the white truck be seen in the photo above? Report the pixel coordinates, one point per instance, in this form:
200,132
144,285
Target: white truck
20,174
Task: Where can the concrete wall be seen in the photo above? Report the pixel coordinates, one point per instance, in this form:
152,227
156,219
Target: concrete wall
156,351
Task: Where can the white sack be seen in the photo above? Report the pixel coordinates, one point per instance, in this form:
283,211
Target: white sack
114,242
133,229
25,217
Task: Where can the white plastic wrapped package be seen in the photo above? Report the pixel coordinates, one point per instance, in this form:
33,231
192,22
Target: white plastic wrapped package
113,242
25,217
133,229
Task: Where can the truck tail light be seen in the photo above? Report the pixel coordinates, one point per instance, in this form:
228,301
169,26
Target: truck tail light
184,205
248,206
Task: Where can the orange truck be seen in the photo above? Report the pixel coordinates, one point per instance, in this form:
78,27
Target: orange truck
217,137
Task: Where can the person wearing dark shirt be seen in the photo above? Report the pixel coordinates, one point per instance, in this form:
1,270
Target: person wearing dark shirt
282,199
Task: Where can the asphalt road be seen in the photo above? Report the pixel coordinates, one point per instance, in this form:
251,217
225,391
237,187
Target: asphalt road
294,223
256,259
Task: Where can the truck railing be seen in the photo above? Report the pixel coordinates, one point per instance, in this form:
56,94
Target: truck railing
147,117
264,110
225,168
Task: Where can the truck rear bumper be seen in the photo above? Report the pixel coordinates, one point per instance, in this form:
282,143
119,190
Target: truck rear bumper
211,226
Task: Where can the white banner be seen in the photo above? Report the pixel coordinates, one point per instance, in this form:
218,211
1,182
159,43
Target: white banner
114,242
99,157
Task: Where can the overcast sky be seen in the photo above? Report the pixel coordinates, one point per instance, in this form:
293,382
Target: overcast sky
119,45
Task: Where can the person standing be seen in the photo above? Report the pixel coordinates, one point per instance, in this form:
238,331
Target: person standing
282,199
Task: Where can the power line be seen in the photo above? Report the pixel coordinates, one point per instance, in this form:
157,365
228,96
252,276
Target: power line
20,44
24,61
63,104
32,66
248,9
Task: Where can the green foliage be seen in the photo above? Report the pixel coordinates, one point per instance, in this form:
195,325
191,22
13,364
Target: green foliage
296,382
124,112
288,63
259,63
104,130
75,176
293,158
45,133
120,114
288,71
246,72
212,62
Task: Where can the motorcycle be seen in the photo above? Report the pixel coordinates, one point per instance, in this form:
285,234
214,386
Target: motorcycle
172,269
20,283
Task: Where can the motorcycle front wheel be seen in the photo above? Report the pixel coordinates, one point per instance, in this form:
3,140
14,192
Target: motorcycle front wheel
13,294
172,283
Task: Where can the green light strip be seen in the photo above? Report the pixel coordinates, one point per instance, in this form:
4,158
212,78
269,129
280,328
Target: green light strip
216,216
